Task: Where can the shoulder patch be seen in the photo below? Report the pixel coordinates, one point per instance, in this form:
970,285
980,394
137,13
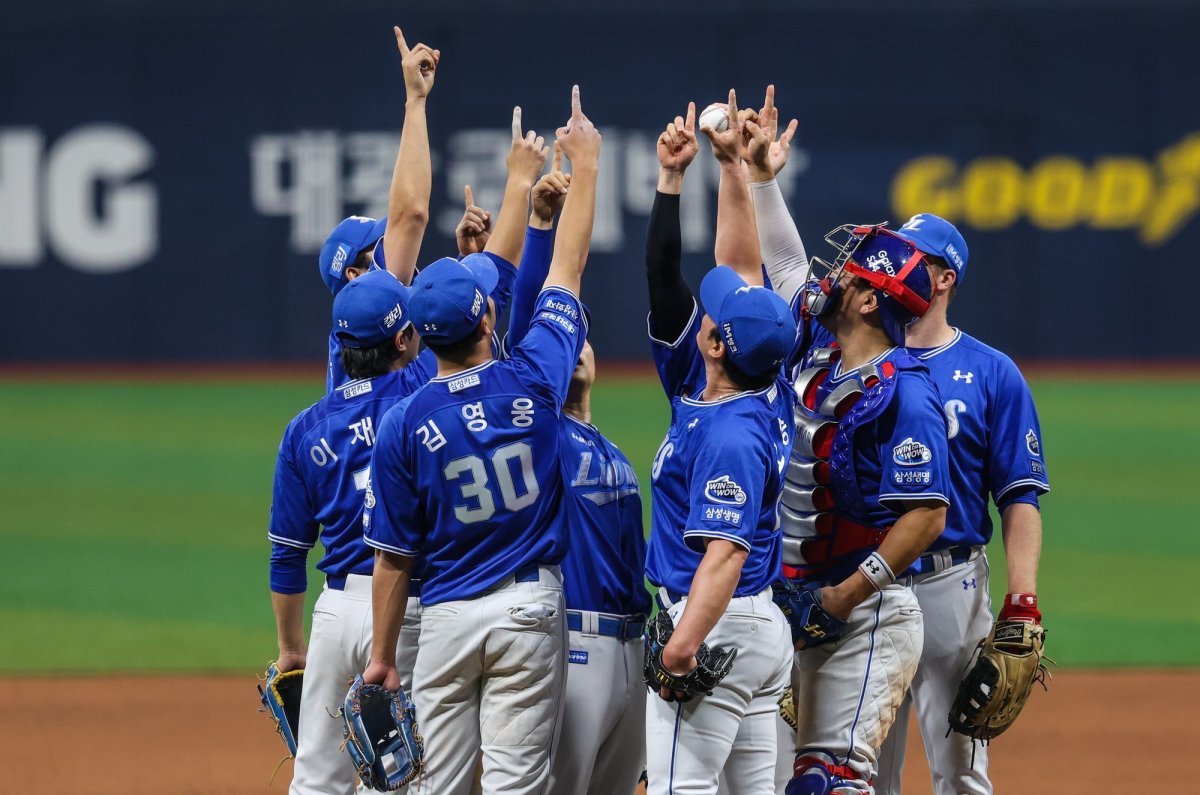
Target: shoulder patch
725,490
910,453
1032,444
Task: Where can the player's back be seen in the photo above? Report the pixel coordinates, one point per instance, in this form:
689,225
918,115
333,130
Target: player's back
482,449
325,460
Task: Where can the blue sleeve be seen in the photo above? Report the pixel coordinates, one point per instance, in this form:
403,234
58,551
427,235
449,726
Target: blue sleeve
726,480
293,517
552,346
1027,495
535,265
391,503
1016,461
507,273
913,451
335,376
289,569
679,364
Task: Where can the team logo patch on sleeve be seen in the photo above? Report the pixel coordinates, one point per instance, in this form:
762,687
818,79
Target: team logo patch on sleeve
1032,444
910,453
724,489
719,513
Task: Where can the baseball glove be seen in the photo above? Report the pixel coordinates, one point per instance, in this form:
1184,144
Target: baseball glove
787,707
280,697
712,665
382,736
1007,663
802,608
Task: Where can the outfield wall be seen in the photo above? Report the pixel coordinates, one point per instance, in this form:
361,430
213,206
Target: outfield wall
169,169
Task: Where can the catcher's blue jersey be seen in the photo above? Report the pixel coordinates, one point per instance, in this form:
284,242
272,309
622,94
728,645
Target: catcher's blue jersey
717,474
606,559
335,374
466,471
323,467
901,456
995,442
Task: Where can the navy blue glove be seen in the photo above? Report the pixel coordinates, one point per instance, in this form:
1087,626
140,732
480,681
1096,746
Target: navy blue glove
809,621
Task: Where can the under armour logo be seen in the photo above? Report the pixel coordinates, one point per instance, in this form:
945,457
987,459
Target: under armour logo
872,566
343,324
958,376
969,584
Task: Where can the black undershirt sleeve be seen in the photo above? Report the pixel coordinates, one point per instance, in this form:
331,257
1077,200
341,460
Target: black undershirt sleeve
671,299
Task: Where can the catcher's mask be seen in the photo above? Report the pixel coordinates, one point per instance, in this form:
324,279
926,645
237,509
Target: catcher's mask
893,266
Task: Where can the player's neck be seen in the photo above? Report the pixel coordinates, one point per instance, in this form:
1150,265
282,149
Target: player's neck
580,409
481,355
931,331
861,344
717,384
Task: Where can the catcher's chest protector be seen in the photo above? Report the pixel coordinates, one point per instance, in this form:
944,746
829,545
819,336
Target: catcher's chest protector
821,486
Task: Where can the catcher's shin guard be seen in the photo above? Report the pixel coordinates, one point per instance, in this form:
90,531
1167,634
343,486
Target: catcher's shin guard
815,773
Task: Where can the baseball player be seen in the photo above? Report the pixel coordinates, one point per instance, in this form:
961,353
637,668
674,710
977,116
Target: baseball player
714,546
466,476
320,479
602,738
866,487
359,244
995,450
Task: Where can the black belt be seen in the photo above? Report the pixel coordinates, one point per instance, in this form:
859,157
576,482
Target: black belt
623,627
927,563
337,582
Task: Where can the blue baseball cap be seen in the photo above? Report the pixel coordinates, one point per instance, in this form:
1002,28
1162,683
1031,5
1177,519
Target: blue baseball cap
936,236
754,323
372,308
348,239
449,298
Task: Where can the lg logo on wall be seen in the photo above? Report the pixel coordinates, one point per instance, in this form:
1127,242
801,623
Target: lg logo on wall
83,198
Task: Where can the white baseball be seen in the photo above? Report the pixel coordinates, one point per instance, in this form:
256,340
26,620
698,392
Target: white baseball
715,117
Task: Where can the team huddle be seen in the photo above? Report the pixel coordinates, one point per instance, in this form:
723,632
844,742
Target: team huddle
819,502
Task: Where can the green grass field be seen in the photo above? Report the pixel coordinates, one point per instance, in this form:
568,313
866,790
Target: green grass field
134,518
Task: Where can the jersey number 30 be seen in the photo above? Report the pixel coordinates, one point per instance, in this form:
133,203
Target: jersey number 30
477,489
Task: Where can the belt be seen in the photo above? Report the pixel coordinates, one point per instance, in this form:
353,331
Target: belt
942,559
666,599
610,626
527,573
337,582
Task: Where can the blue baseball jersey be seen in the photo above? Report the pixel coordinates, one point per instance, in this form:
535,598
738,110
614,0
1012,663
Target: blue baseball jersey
995,442
466,471
323,468
606,558
901,456
335,374
718,473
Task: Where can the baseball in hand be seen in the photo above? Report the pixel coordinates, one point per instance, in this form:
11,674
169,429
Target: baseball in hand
715,117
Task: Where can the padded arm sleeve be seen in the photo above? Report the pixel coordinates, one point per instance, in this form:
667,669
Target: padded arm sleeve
783,251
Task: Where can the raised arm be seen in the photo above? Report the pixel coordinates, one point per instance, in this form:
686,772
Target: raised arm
580,142
549,193
779,240
671,300
526,157
412,178
736,239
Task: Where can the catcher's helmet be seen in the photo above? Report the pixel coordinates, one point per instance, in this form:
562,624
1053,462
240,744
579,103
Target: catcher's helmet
889,263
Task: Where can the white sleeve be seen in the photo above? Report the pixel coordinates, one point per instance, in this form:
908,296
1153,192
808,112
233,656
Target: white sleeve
782,250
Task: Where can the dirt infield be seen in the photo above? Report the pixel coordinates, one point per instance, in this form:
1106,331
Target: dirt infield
179,736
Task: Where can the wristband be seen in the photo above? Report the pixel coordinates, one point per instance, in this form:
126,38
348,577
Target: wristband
877,571
1021,607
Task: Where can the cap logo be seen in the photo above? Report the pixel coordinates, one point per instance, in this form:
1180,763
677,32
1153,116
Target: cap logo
477,305
954,255
339,259
913,224
391,317
727,333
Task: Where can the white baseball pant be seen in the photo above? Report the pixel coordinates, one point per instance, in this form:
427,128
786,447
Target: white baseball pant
847,691
958,614
489,677
339,648
602,742
734,730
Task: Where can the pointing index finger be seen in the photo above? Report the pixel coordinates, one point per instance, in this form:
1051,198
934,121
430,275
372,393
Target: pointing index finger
400,42
468,196
733,108
576,105
516,124
690,123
